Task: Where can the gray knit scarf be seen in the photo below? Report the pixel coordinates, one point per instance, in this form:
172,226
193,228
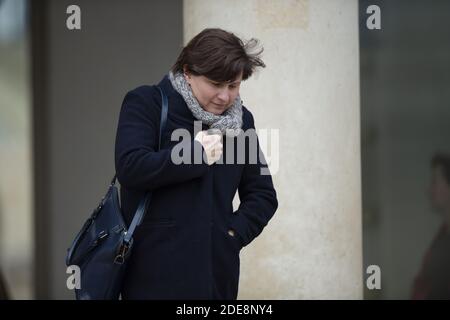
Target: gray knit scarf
229,123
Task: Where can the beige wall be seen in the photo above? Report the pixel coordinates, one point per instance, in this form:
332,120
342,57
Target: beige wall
312,249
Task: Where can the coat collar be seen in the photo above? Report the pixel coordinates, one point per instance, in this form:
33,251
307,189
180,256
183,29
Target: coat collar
166,85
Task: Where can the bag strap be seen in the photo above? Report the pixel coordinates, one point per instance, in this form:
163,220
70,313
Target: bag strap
143,204
164,111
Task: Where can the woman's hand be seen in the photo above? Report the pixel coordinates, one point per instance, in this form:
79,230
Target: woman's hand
212,143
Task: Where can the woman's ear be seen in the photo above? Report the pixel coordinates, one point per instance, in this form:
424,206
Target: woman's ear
187,77
186,72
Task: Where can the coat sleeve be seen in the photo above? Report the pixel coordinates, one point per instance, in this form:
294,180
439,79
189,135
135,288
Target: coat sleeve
258,199
138,163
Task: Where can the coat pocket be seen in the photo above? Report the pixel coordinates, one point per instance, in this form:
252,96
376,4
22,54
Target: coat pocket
235,240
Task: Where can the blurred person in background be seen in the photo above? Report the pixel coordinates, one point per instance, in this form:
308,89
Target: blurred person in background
433,280
3,291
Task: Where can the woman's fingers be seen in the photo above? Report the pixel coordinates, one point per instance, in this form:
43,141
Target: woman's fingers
212,143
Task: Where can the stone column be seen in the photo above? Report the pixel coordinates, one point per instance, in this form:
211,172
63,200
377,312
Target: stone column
312,248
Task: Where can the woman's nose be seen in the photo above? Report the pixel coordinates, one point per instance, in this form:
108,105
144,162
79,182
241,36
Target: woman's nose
223,96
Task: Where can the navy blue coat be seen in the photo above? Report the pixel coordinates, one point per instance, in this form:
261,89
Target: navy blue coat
182,250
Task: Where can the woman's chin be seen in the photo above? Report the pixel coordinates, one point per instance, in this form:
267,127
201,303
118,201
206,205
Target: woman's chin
215,110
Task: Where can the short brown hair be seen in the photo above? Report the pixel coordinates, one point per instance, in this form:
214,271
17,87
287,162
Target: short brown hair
219,55
442,160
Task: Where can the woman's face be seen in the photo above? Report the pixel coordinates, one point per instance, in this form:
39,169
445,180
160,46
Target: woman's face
214,97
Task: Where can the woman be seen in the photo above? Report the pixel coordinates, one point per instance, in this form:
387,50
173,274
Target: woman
188,245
